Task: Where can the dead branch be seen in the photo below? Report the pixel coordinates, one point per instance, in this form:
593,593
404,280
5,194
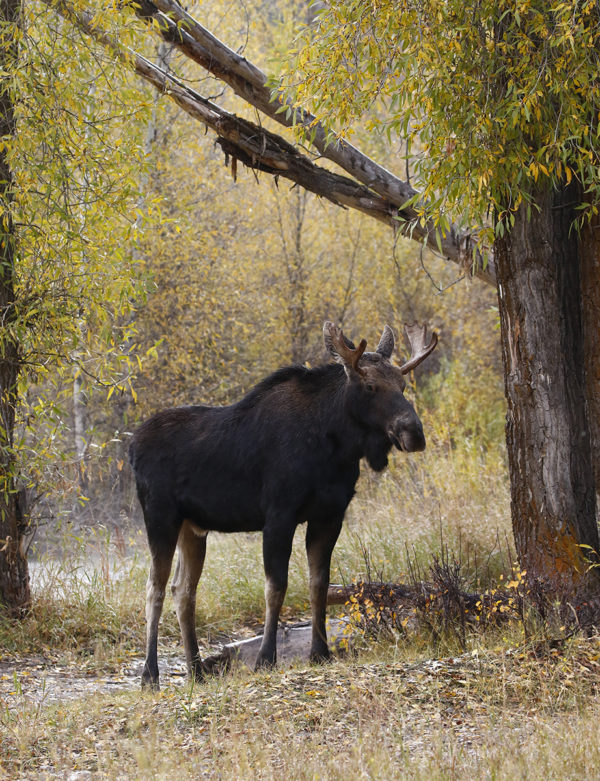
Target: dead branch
178,27
403,598
241,139
381,195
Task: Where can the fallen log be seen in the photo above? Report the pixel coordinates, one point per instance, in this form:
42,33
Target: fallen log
380,605
448,599
378,592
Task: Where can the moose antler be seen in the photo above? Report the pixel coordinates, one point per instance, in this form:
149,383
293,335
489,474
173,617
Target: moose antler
337,343
417,336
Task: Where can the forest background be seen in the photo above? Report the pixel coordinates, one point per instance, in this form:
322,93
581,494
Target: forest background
153,277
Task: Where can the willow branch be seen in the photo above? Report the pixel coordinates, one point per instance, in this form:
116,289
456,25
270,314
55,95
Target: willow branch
262,149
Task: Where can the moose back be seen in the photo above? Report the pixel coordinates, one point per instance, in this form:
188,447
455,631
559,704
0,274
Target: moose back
287,453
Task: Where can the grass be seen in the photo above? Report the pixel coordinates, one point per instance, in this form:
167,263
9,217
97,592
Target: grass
94,594
493,714
495,704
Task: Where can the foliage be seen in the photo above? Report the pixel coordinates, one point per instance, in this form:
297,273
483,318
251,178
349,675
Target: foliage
158,256
246,272
451,403
76,158
493,96
156,252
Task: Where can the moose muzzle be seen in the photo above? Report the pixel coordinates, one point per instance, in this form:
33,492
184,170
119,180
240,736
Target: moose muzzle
407,434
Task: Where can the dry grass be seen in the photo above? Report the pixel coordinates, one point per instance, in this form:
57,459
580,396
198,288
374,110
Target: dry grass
413,707
494,714
90,589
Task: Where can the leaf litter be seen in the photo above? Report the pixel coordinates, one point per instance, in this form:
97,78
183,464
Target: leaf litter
87,720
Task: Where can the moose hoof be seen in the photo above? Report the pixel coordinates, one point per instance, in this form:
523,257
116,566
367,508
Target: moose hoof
320,657
265,662
150,677
196,671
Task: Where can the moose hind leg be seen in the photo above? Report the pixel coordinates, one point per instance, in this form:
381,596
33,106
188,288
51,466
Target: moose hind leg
191,547
277,548
162,558
320,541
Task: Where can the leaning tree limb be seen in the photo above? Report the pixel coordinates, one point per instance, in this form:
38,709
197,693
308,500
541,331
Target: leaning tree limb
255,146
176,26
264,150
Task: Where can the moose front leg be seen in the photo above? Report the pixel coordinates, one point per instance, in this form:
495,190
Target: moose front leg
320,541
277,548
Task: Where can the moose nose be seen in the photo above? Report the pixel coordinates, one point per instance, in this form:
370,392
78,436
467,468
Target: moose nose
413,441
409,435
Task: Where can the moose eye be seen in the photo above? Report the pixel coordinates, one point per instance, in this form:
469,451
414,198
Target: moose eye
371,388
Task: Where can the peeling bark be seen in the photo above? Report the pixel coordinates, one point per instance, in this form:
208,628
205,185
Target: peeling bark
548,437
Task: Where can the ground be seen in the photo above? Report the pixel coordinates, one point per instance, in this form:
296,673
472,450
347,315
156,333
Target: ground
486,713
508,700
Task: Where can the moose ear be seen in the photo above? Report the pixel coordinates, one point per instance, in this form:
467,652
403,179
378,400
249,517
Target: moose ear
386,343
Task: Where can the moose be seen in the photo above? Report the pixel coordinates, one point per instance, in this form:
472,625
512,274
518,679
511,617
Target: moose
287,453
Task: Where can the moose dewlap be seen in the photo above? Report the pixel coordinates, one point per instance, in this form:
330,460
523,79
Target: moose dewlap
287,453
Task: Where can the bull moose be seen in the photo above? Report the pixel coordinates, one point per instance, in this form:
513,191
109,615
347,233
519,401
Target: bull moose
287,453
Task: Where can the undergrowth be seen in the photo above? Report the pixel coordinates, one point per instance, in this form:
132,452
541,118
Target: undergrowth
89,587
490,713
444,689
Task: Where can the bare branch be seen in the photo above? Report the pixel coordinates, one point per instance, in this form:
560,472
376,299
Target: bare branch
255,146
261,149
178,27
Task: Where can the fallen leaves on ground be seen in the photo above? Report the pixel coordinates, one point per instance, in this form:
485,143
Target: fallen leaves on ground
101,721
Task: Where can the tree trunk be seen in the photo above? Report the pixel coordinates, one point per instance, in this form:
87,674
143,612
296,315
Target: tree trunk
14,577
590,295
79,425
548,438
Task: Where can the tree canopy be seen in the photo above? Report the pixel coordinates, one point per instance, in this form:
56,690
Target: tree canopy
136,243
492,97
133,246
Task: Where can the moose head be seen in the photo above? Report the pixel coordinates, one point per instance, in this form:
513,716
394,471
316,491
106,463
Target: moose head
375,389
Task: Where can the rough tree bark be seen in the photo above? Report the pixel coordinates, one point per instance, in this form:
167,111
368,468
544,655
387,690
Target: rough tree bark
14,577
548,437
590,298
